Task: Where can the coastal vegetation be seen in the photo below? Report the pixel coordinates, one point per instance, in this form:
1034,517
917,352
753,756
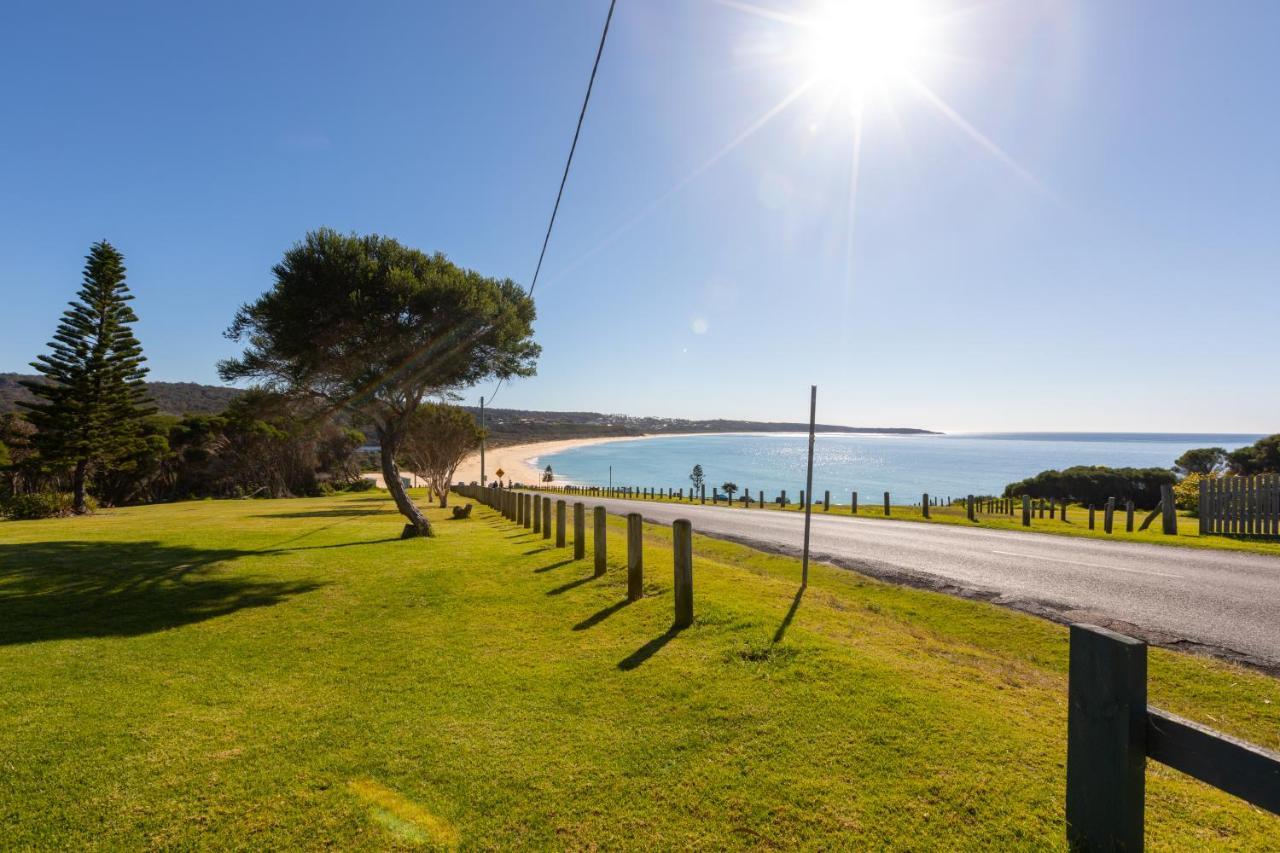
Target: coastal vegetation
1095,484
375,329
486,691
437,437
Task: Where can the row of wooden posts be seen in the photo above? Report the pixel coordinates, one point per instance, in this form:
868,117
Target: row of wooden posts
974,506
1240,506
534,512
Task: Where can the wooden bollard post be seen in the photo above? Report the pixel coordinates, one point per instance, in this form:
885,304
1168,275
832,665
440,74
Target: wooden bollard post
1053,508
1026,510
853,504
537,514
826,501
784,498
761,498
682,545
886,503
601,540
529,510
1108,515
924,503
1106,740
703,495
1064,510
635,556
803,498
1128,516
579,531
560,522
546,518
1169,516
968,508
1090,516
519,508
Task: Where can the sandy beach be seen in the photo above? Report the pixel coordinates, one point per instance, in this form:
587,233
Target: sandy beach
514,459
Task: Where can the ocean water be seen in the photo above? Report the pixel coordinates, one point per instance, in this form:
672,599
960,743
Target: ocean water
904,465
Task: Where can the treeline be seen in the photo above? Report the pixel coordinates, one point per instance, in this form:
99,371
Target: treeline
263,445
1093,484
169,398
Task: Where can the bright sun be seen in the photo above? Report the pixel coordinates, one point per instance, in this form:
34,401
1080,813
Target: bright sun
858,44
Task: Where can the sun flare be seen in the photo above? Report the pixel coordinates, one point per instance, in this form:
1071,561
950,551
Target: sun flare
857,44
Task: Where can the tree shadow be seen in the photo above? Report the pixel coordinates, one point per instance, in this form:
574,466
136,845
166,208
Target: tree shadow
328,513
648,650
601,615
542,569
786,620
75,590
565,587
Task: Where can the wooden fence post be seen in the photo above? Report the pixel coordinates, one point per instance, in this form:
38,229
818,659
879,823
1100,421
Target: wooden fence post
1106,739
968,508
682,545
1090,516
925,504
826,500
1204,506
1064,510
1108,515
601,539
529,510
886,503
1026,510
537,514
546,518
579,531
1170,517
1128,516
560,521
635,556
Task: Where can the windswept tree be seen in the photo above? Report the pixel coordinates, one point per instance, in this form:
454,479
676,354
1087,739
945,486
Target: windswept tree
730,488
548,475
436,440
91,402
1205,461
375,329
697,478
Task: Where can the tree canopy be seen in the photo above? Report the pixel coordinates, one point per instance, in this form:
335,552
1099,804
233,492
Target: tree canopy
376,328
1201,460
436,440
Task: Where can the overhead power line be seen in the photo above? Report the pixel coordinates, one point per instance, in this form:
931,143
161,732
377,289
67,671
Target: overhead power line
577,131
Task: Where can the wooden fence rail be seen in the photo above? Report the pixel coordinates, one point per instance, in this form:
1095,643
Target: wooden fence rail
1112,731
1240,506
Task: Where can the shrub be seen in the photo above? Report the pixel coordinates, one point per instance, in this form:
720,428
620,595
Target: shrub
42,505
1186,494
360,485
1093,484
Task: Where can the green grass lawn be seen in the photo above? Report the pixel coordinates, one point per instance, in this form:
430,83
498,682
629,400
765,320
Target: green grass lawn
278,674
1077,523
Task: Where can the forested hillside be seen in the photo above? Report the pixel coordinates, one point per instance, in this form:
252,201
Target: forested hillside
171,398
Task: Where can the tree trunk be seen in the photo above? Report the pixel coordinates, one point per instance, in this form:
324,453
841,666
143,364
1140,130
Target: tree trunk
443,495
78,503
418,522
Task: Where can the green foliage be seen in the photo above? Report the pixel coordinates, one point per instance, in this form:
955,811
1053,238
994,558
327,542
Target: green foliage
1201,460
1093,484
547,475
37,505
1261,457
375,328
436,439
1186,493
697,477
729,489
89,408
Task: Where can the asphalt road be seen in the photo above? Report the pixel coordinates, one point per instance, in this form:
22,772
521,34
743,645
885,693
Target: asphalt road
1225,601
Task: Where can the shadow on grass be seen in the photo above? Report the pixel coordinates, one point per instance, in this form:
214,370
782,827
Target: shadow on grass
329,513
565,587
648,650
542,569
74,590
601,615
786,620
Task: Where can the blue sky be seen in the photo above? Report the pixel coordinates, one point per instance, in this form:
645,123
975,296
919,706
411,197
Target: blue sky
1069,220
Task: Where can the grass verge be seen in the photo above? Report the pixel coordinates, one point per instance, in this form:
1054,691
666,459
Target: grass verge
288,673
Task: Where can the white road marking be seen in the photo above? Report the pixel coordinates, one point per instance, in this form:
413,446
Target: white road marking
1079,563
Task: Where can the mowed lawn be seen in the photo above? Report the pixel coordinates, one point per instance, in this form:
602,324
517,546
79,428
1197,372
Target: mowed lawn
268,674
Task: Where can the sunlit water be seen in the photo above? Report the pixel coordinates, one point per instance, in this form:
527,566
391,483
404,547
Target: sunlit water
942,465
